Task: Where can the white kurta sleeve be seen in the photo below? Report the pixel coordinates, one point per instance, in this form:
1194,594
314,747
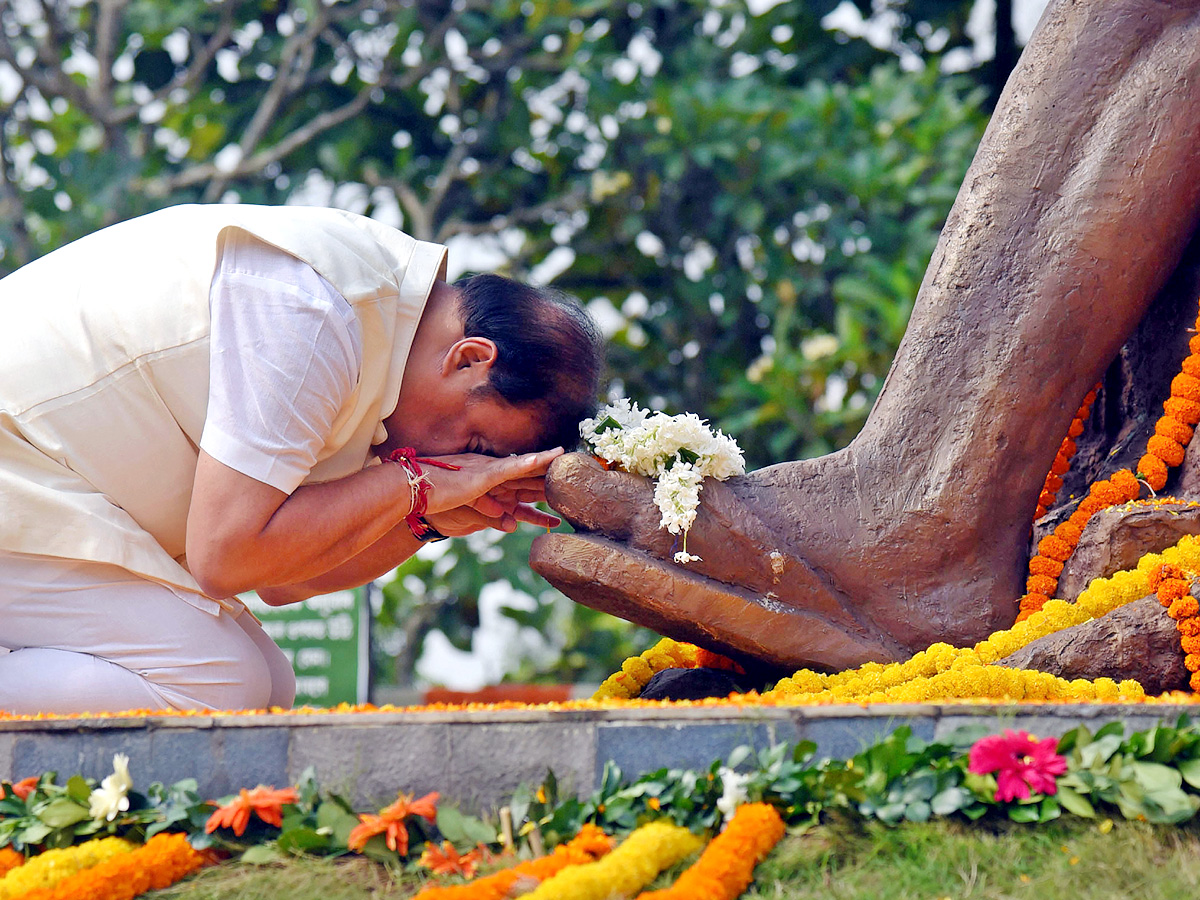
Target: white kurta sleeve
286,354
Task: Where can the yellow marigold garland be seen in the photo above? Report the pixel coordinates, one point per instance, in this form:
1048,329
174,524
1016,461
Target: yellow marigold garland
726,867
629,868
637,671
942,672
157,864
49,867
588,846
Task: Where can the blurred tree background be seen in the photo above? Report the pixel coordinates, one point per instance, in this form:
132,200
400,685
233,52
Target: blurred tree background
746,194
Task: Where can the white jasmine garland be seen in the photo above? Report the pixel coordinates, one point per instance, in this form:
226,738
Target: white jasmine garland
111,798
679,452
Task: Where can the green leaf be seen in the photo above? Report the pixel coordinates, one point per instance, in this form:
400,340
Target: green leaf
263,854
1155,777
1025,813
461,829
1074,802
918,812
1189,770
34,833
61,812
950,800
301,840
78,789
334,817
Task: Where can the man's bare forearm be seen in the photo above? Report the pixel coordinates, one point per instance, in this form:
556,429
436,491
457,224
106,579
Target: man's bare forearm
377,560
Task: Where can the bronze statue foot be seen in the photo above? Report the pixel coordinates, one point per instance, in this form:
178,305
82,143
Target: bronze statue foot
753,594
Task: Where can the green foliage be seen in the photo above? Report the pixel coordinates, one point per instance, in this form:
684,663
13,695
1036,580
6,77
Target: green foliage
54,815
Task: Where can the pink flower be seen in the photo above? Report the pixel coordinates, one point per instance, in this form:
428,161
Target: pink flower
1021,761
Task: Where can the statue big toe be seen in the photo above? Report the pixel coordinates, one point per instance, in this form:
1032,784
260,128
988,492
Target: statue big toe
1083,193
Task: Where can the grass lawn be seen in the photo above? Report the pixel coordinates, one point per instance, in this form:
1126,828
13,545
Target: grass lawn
843,861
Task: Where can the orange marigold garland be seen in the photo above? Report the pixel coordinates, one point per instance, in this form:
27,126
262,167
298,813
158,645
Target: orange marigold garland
1062,460
9,860
588,846
1173,585
1055,549
159,863
1165,448
726,867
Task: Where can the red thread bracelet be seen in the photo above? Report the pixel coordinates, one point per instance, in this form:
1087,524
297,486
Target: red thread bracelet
420,486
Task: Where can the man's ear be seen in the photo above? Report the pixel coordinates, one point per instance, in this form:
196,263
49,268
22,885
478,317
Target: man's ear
468,353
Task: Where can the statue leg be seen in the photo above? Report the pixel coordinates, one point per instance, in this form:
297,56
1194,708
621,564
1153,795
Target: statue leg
1084,191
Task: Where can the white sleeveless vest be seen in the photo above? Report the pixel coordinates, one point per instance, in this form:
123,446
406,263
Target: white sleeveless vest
104,362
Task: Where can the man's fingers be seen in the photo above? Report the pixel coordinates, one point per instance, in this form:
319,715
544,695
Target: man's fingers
534,516
491,506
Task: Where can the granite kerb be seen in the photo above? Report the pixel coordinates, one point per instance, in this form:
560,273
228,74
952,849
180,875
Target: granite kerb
478,757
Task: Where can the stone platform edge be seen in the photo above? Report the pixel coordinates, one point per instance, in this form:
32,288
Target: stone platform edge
476,758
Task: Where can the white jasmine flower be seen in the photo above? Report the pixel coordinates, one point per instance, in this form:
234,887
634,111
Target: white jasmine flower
111,798
733,791
679,452
677,496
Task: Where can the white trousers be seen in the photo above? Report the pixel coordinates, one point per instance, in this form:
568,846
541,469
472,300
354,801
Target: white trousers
80,636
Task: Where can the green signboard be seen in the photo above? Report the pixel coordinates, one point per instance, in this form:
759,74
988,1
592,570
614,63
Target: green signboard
326,639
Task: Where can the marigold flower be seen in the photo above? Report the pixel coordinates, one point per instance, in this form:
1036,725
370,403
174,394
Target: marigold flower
1041,584
1154,470
392,822
1162,572
1185,386
1189,627
1194,682
1190,642
1126,484
1169,451
1107,493
1022,763
1186,411
1184,607
1040,565
1055,547
1194,343
265,802
1171,427
1069,532
1171,589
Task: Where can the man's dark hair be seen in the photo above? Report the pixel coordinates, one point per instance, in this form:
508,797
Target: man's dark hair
549,351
